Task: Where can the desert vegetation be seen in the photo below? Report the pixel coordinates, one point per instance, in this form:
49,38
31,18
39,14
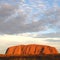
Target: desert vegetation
42,57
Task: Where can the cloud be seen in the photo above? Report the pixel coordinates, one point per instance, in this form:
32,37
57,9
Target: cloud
21,18
6,10
49,35
17,25
51,40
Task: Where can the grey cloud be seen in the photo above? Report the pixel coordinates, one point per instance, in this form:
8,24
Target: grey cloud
18,26
49,35
52,40
51,18
18,23
6,10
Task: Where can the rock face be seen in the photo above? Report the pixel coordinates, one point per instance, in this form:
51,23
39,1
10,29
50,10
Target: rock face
23,50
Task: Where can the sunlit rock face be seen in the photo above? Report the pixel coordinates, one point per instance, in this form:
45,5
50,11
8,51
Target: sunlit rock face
32,49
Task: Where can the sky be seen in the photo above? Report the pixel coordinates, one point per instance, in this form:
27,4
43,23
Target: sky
29,22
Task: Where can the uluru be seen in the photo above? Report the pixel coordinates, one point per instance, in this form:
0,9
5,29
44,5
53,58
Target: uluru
31,51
